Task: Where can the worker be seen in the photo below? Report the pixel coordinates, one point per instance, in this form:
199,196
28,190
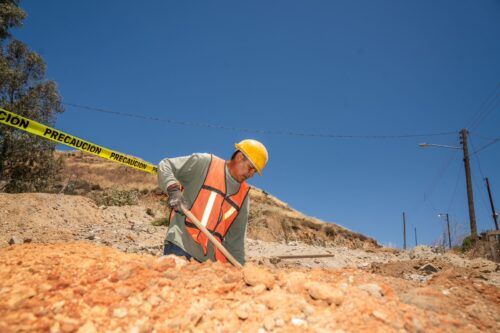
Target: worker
216,192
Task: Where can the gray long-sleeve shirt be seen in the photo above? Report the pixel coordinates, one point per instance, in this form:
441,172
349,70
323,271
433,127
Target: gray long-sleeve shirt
190,172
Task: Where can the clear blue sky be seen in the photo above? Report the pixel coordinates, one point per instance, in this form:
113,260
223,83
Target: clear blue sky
331,67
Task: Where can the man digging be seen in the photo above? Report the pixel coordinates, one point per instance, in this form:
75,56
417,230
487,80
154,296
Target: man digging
216,193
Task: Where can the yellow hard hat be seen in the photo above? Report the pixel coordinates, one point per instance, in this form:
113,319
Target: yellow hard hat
255,151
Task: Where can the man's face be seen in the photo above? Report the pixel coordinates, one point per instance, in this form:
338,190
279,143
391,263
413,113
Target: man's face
243,168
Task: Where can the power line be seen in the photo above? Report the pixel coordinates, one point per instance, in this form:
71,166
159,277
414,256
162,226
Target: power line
489,138
439,176
486,113
258,131
486,145
476,157
481,194
456,186
482,112
441,173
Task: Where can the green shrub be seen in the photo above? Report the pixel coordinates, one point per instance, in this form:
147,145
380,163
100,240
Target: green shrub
468,243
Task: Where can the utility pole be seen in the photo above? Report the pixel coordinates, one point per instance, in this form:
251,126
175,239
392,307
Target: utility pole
404,231
449,234
495,217
416,236
470,197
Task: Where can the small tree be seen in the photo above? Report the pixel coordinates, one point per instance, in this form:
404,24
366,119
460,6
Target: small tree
27,162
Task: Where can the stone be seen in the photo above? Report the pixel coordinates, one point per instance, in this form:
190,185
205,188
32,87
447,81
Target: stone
179,261
269,323
254,275
273,299
15,240
146,307
373,289
324,292
295,282
69,325
197,311
242,313
88,327
19,296
124,272
426,302
120,312
428,268
308,310
166,293
380,315
124,291
58,306
298,321
99,311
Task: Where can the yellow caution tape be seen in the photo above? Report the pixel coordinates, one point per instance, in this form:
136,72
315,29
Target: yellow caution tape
33,127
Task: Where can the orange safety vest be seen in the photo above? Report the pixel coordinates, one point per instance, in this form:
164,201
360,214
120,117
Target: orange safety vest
214,208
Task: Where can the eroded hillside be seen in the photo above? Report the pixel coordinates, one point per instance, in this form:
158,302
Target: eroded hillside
270,218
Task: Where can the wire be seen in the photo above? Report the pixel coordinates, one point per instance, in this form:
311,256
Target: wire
430,189
483,111
455,189
487,113
486,145
249,130
481,194
441,173
476,158
489,138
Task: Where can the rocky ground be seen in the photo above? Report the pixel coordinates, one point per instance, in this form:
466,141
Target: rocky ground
70,265
82,287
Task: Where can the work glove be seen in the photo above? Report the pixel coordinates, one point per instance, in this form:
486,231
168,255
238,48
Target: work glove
175,198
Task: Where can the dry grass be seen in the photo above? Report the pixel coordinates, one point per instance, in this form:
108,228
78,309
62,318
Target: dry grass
95,170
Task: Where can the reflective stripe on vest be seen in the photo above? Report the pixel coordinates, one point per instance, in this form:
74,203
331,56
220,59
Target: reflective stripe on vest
215,210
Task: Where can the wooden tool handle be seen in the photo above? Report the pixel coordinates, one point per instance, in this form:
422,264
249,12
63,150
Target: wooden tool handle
207,233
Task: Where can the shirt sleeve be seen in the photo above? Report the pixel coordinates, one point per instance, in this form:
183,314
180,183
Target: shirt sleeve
176,170
234,241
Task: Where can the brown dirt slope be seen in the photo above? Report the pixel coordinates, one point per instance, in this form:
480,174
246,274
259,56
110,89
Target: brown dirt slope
78,287
270,218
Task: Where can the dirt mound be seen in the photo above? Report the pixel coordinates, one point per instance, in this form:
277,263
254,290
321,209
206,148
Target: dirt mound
50,218
79,287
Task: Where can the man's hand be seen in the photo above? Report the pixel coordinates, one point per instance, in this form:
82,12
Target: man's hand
175,198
